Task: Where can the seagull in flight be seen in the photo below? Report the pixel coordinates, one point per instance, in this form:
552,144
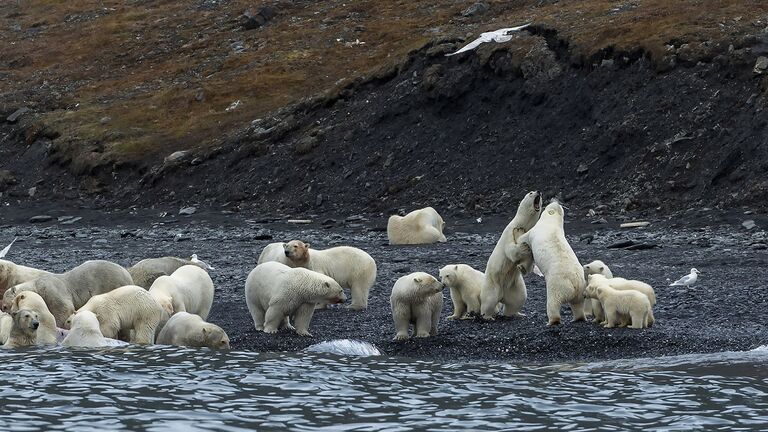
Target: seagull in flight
4,252
688,279
201,263
500,35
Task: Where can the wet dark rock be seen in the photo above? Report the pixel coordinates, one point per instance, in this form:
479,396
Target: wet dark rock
188,211
642,246
14,117
6,179
621,244
250,20
475,9
40,219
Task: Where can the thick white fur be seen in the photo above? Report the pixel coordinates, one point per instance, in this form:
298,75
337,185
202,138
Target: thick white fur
420,226
146,271
351,267
465,284
85,331
46,333
277,294
621,284
592,306
618,304
503,279
64,293
416,299
186,329
13,274
6,322
188,289
562,271
274,252
23,329
124,309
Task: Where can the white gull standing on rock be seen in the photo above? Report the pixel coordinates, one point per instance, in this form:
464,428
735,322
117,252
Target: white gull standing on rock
500,35
688,279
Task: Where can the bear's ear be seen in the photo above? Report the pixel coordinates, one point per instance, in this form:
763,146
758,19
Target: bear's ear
455,267
205,330
306,245
601,269
417,280
327,285
13,314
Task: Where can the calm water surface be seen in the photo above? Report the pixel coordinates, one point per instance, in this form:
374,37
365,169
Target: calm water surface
163,388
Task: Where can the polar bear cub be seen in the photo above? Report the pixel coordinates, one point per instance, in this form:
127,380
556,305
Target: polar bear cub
622,284
618,303
277,294
592,306
124,309
350,267
465,284
85,331
504,280
46,333
186,329
23,329
420,226
416,299
188,289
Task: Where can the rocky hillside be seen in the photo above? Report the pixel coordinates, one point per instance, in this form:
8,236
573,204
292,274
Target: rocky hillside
323,107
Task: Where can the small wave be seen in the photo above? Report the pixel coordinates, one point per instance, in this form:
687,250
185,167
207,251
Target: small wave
345,347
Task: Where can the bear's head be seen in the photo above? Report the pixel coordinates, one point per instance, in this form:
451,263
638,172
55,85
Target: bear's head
522,256
165,302
530,208
214,337
594,282
8,297
427,285
448,275
26,320
28,300
83,319
333,293
595,267
296,250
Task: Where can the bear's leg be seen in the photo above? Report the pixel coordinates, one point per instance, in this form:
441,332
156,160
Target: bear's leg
359,296
651,318
458,304
610,318
588,311
490,296
553,311
577,308
435,319
302,317
638,319
514,296
144,334
473,305
257,314
401,314
597,310
321,305
423,324
272,319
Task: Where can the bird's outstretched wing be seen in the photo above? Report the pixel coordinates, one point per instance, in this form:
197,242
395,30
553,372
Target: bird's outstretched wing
500,35
470,46
203,264
682,281
4,252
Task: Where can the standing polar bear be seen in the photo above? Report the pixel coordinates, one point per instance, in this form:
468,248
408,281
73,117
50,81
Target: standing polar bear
503,279
277,295
465,284
592,306
422,226
124,309
186,329
620,303
46,333
65,293
188,289
416,299
350,267
561,268
84,331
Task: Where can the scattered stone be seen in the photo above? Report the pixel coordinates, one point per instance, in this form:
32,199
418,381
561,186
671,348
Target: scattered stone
621,244
635,224
31,192
177,157
100,241
759,246
299,221
105,120
329,222
475,9
262,236
748,224
319,200
591,213
305,145
251,21
582,169
355,218
125,234
40,219
181,237
188,211
587,238
600,221
16,114
761,65
72,220
642,246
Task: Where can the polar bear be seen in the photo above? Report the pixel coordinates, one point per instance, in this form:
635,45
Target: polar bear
147,270
503,279
85,331
277,294
416,299
622,284
562,271
351,267
47,332
592,306
618,303
186,329
420,226
64,293
274,252
188,289
124,309
23,329
13,274
465,284
6,321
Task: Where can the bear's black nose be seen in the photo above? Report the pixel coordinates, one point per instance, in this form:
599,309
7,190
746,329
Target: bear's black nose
286,253
35,325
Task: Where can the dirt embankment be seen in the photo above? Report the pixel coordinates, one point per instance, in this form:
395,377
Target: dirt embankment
645,107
